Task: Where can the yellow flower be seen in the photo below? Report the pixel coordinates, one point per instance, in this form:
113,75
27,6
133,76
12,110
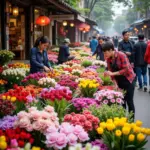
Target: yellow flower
8,97
110,126
127,125
100,130
13,99
118,133
3,145
140,137
116,123
147,131
116,118
2,138
133,125
36,148
144,130
4,97
121,123
139,123
136,129
126,130
109,121
131,137
103,125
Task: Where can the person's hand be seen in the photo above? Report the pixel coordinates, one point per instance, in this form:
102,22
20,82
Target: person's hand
109,73
51,70
128,53
46,69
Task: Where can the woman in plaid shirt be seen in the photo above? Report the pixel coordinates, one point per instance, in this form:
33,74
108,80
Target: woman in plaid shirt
121,71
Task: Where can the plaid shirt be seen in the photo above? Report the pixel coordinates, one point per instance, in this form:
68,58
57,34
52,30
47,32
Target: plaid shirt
123,64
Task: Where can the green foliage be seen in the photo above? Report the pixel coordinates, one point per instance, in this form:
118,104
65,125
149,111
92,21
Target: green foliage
100,70
106,80
105,112
86,63
72,3
5,56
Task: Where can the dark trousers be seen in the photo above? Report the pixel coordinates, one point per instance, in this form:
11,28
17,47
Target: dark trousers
149,75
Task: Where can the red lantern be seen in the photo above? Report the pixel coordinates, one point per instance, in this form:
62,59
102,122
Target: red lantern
42,20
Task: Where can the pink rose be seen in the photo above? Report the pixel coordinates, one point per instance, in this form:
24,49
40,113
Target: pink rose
14,143
24,123
72,139
22,114
35,115
32,109
45,115
37,126
29,128
83,136
51,139
66,128
88,125
112,101
51,129
78,129
49,109
86,112
89,117
75,119
61,141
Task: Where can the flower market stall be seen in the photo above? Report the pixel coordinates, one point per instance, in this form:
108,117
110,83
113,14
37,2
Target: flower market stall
74,107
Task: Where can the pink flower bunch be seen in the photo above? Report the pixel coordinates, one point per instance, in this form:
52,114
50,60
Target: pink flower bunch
80,103
34,76
53,58
86,120
37,120
66,134
68,81
58,92
109,97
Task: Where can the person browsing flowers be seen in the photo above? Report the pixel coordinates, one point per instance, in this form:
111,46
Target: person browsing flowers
120,69
38,56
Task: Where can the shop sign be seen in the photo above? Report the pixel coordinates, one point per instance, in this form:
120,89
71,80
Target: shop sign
62,17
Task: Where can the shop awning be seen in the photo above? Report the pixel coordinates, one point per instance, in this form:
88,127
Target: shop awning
138,22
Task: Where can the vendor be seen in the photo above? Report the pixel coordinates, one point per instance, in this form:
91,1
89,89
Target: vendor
121,71
64,54
38,56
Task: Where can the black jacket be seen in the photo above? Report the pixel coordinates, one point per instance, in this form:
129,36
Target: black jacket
139,53
121,47
99,52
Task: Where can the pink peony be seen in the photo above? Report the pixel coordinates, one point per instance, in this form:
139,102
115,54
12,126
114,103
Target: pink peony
49,109
83,136
37,126
72,138
66,128
35,115
78,129
51,139
24,123
32,109
61,141
52,129
22,114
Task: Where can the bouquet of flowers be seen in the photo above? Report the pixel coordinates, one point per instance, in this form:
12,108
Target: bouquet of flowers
58,97
37,120
76,72
81,103
65,135
89,73
86,120
7,122
118,133
88,87
53,58
33,78
19,65
14,76
6,56
47,82
11,137
109,97
99,63
6,108
105,112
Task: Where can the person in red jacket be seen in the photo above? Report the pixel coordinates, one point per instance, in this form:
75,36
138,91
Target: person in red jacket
147,59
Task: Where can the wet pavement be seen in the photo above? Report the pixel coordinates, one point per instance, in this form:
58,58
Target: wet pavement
142,106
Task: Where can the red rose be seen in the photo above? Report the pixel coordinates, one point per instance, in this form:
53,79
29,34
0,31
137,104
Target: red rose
21,143
31,140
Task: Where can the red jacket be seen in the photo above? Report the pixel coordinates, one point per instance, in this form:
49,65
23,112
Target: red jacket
147,54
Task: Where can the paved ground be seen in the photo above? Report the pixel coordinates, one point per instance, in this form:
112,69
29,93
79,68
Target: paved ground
142,106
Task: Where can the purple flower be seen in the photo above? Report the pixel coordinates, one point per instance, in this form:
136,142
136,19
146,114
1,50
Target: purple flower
7,122
100,144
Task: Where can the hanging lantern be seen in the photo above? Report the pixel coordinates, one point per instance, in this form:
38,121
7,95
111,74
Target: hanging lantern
15,11
145,26
65,23
87,27
42,20
71,24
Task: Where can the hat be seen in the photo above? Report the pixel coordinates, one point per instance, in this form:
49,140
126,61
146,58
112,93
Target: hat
67,40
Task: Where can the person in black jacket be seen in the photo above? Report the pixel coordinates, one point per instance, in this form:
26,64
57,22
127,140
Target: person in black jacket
126,46
99,53
140,65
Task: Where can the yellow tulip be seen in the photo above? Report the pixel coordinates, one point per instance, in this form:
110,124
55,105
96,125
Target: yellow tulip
131,137
118,133
103,125
136,129
8,97
139,123
126,130
109,121
2,138
3,145
36,148
100,130
110,126
4,97
13,99
140,137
